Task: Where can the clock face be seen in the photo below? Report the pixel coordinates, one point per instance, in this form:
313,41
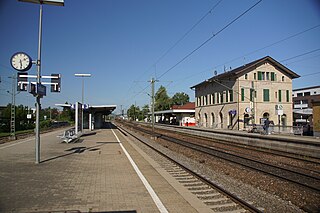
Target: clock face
21,61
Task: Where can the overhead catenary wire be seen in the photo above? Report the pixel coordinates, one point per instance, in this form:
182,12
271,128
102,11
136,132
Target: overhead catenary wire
254,51
178,41
204,43
306,53
209,39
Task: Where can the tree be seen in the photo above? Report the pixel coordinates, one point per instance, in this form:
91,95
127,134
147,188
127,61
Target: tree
162,100
145,110
133,112
180,98
67,114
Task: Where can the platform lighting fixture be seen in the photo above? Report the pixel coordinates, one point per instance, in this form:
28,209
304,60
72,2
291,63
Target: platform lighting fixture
82,75
38,64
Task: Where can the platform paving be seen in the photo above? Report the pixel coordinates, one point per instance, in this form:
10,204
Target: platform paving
93,175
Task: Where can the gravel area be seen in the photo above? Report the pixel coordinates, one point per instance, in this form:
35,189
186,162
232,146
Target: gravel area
246,184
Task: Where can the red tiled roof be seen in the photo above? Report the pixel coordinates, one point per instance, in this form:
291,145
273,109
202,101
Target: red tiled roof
189,105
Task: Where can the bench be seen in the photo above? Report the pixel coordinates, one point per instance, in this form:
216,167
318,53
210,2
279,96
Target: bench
69,136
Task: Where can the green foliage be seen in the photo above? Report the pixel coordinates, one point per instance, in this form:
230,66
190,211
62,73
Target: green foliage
21,121
47,115
135,113
67,115
180,98
162,100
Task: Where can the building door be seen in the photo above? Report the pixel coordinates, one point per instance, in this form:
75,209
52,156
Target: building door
205,120
230,123
266,115
284,120
246,120
212,119
221,120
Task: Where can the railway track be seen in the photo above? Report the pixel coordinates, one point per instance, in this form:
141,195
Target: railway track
215,197
311,182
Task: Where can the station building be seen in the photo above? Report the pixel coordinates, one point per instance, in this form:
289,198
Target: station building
246,95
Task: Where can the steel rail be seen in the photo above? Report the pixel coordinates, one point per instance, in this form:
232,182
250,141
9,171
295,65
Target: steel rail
233,197
260,166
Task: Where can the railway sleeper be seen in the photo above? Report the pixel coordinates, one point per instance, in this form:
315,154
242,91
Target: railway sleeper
190,181
204,192
184,178
198,188
226,207
194,184
211,196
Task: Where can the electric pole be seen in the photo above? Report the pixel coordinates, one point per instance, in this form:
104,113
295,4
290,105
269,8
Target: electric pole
13,109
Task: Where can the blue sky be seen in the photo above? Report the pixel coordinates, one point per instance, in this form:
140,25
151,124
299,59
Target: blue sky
120,42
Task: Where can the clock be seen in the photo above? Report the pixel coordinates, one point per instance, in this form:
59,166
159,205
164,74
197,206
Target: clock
21,61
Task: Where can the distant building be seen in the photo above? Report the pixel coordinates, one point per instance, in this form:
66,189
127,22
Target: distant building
246,95
316,118
303,99
177,115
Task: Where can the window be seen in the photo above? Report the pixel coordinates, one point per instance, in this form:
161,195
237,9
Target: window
273,76
246,76
231,95
218,98
288,95
221,97
242,94
299,94
307,94
282,78
279,96
209,99
213,98
251,94
266,97
227,96
267,76
255,76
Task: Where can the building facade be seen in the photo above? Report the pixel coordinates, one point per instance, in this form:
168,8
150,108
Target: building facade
303,99
302,103
246,95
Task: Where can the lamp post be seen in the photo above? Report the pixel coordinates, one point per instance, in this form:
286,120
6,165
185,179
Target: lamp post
38,64
82,75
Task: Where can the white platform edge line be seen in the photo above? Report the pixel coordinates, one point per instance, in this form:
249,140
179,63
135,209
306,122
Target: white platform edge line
152,193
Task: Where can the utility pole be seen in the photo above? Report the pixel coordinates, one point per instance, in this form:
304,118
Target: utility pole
152,103
13,110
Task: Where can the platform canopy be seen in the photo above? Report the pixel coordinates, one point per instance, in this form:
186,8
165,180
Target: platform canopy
103,109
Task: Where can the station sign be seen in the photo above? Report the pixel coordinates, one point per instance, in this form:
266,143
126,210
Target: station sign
37,89
279,109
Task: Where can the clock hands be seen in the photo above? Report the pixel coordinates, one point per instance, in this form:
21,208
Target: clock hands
20,64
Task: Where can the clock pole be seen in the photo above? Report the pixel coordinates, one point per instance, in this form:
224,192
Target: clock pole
38,105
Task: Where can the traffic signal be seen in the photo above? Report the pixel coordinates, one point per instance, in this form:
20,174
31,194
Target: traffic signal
55,82
22,81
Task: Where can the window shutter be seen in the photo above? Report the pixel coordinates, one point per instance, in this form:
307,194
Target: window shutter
288,97
272,76
279,96
242,94
266,95
231,95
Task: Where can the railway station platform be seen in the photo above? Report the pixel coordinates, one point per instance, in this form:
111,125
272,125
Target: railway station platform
102,172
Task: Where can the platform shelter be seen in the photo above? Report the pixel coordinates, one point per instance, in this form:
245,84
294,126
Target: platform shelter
177,115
